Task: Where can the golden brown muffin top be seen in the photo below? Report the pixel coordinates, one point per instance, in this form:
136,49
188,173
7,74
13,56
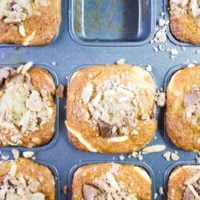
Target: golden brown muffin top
185,7
17,11
106,186
23,108
184,183
22,179
111,181
115,103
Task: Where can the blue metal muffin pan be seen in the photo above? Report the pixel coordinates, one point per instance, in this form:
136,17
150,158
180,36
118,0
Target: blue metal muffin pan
72,48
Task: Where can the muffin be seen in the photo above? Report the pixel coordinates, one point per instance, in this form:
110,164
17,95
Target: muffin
27,106
185,20
111,181
184,183
183,109
30,22
23,179
111,109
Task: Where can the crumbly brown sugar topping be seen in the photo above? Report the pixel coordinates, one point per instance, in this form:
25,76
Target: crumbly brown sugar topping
19,187
186,6
192,187
192,105
106,187
17,11
23,109
115,105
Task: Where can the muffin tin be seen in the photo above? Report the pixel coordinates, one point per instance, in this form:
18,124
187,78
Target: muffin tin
80,42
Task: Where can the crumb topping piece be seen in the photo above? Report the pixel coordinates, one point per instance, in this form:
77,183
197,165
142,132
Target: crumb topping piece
192,187
18,187
186,6
107,187
114,106
23,109
192,105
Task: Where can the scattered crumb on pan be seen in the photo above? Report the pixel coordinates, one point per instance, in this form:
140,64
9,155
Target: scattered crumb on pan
146,150
64,189
5,157
28,154
121,61
171,156
60,91
161,190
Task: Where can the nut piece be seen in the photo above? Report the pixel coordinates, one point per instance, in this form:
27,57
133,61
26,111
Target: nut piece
171,156
175,156
24,68
167,155
153,149
15,153
22,30
28,154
